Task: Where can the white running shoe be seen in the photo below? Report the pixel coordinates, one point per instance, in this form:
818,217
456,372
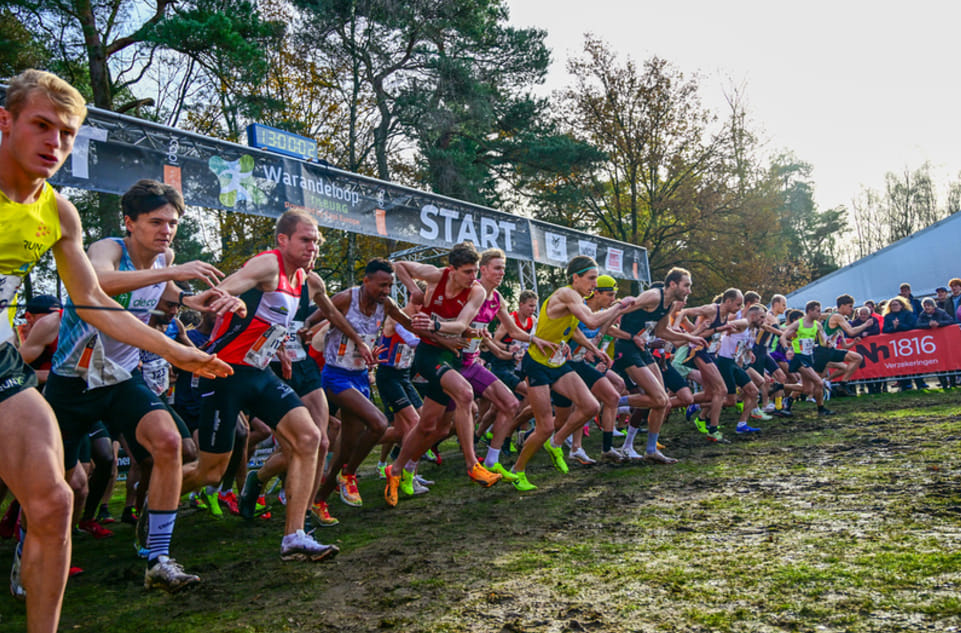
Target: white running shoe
302,546
630,454
618,433
423,481
657,457
582,457
418,487
169,575
614,456
16,586
769,408
757,414
568,441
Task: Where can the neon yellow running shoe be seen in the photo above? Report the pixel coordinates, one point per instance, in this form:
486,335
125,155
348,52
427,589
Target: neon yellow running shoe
213,503
557,456
407,482
522,484
503,472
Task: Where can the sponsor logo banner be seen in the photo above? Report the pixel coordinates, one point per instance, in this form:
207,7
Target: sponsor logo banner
924,351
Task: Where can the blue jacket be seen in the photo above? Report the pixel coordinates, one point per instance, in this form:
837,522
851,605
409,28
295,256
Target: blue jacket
906,321
940,317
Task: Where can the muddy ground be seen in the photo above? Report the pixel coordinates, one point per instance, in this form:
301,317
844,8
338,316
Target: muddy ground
847,523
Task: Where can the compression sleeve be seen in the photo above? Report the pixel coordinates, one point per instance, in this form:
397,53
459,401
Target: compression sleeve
409,337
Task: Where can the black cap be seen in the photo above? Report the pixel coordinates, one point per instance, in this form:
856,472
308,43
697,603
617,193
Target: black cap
43,304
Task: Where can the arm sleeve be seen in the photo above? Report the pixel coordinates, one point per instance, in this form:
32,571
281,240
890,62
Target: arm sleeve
409,337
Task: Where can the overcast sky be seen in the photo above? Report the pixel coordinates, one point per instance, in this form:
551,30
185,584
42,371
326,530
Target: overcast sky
857,89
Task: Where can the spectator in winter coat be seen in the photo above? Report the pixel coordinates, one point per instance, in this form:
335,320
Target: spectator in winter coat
953,301
862,316
906,293
932,316
898,315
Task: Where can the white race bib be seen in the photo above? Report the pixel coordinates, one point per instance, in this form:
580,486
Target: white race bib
348,356
265,347
156,373
96,369
295,349
9,285
473,345
715,343
807,346
560,356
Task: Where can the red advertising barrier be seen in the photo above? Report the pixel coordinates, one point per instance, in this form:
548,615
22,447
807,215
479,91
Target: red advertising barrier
927,351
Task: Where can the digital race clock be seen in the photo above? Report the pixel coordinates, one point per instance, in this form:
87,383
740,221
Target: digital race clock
270,138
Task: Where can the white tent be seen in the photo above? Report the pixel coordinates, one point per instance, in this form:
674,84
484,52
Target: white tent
926,260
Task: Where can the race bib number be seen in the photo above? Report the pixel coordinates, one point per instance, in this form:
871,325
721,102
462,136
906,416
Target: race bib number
403,356
473,345
560,356
579,353
807,346
742,353
295,349
9,285
715,343
518,349
348,356
156,373
96,369
265,347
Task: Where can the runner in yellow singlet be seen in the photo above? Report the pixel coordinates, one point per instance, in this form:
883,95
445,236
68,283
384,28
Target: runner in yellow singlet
558,319
39,123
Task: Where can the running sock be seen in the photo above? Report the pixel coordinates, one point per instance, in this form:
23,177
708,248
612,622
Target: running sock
623,410
711,429
778,402
410,466
652,442
553,445
493,456
607,440
631,434
622,401
160,529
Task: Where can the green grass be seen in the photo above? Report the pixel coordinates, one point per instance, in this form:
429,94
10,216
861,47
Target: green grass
849,523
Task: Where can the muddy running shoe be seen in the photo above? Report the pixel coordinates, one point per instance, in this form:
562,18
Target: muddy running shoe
407,482
657,457
423,481
321,513
104,516
349,493
94,529
169,575
757,414
507,475
129,516
699,424
390,490
229,499
302,546
716,436
613,456
582,457
247,504
769,408
418,487
630,454
822,411
742,428
522,484
691,410
16,586
483,476
557,457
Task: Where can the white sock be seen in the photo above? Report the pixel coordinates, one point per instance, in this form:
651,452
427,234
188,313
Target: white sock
493,456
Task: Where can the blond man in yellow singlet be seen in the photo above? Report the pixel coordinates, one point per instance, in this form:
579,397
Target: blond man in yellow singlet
39,123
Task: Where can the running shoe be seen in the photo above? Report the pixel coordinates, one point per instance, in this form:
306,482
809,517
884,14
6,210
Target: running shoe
213,505
769,408
557,457
757,414
302,546
407,482
261,510
739,406
129,516
419,488
95,529
691,410
390,490
104,516
423,480
619,433
321,513
247,505
630,454
168,575
282,497
613,456
229,499
657,457
380,471
74,571
568,441
742,427
507,475
349,493
716,436
582,457
483,476
825,411
699,424
827,388
431,456
522,484
16,586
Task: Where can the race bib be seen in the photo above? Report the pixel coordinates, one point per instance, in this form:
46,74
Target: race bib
295,349
9,285
96,369
403,356
807,346
518,349
741,353
560,356
715,343
473,345
265,347
156,373
348,356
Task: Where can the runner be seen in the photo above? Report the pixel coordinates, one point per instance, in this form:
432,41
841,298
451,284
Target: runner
734,350
95,377
804,334
270,284
649,318
39,123
559,317
834,353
